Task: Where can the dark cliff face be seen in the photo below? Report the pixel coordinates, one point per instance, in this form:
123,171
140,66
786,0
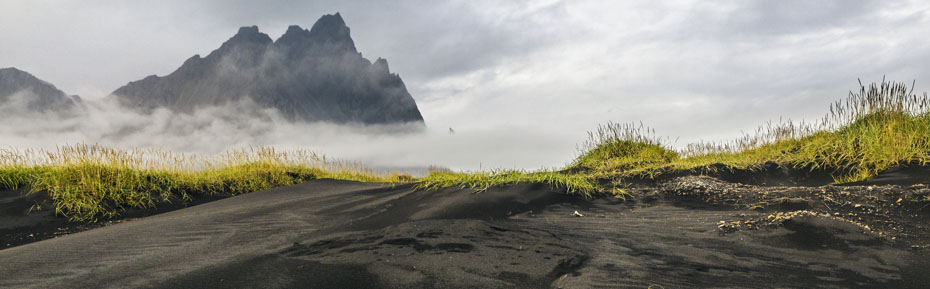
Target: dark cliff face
39,95
308,75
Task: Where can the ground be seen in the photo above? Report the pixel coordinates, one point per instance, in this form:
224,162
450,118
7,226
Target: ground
680,232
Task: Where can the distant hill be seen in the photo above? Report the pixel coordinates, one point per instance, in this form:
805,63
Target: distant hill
308,75
36,94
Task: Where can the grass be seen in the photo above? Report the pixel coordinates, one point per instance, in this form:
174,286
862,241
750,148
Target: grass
87,182
622,147
483,180
880,126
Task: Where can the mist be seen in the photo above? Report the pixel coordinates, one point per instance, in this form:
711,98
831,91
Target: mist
243,124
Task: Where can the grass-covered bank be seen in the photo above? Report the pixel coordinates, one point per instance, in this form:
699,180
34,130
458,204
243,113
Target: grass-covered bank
87,182
880,126
875,128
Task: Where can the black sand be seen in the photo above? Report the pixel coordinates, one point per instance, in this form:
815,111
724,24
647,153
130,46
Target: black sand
336,234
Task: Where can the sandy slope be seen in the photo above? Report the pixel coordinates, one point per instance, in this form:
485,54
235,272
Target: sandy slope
336,234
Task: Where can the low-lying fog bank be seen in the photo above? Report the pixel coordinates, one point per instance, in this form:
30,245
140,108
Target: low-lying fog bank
404,147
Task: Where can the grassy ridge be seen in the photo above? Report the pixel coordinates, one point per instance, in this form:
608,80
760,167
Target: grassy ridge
882,125
87,181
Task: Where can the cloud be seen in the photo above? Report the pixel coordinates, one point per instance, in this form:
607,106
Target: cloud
545,71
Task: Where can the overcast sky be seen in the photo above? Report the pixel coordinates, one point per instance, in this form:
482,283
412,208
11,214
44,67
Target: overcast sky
547,70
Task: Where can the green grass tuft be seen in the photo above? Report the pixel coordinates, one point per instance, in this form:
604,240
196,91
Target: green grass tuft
616,147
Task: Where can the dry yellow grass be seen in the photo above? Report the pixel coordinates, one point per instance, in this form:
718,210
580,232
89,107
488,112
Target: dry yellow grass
90,181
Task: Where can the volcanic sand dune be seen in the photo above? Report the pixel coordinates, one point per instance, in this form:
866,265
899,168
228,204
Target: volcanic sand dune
339,234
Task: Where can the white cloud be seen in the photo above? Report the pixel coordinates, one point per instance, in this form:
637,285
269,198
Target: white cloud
521,81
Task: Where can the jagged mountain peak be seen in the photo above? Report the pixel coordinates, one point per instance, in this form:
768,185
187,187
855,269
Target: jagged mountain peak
295,37
308,75
381,65
331,29
251,33
295,30
329,23
248,36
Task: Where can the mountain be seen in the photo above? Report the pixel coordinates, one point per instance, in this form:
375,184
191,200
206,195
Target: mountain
36,94
308,75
